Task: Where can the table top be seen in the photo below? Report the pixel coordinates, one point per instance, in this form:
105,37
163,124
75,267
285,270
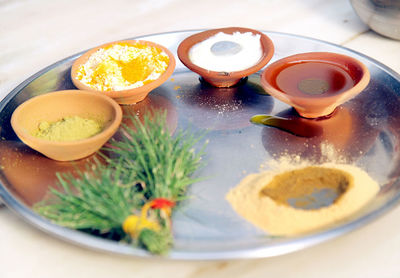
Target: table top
35,34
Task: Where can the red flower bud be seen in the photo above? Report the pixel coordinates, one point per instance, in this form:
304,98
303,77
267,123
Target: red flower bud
160,203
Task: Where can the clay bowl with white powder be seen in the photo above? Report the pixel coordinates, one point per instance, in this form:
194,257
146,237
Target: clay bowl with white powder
222,57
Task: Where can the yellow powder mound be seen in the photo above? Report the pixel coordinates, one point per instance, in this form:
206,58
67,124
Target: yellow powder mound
262,198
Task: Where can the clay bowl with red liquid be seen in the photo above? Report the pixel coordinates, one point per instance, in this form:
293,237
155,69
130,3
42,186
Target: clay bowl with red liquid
128,96
223,78
315,83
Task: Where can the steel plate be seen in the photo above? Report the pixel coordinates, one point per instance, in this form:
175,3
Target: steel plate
205,226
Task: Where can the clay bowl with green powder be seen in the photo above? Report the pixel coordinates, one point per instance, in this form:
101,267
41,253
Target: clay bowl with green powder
67,125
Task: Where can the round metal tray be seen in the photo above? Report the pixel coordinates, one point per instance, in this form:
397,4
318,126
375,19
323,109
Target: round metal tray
205,226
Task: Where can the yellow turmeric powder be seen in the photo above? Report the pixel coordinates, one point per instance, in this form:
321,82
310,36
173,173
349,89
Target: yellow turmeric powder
123,66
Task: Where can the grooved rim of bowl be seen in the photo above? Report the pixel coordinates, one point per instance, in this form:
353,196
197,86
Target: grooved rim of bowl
128,96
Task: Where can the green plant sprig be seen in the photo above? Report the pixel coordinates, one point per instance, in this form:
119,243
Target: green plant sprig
164,163
145,164
97,198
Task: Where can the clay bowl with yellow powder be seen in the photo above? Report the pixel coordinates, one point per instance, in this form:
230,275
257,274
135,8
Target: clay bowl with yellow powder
126,71
225,55
315,83
55,107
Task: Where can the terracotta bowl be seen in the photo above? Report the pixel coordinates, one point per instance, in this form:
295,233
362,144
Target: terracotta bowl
129,96
315,83
53,107
224,79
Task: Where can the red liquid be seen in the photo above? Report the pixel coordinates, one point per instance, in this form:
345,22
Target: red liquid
314,79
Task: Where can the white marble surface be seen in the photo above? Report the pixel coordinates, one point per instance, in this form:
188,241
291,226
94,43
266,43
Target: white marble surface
35,34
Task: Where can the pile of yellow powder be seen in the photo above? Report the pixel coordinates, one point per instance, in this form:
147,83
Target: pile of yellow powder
257,199
123,66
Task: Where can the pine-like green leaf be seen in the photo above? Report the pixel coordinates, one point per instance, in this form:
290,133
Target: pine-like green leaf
147,163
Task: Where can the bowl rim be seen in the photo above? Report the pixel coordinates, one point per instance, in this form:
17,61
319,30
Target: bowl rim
315,57
184,47
107,132
127,92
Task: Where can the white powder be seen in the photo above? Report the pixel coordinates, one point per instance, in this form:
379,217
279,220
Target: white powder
249,55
